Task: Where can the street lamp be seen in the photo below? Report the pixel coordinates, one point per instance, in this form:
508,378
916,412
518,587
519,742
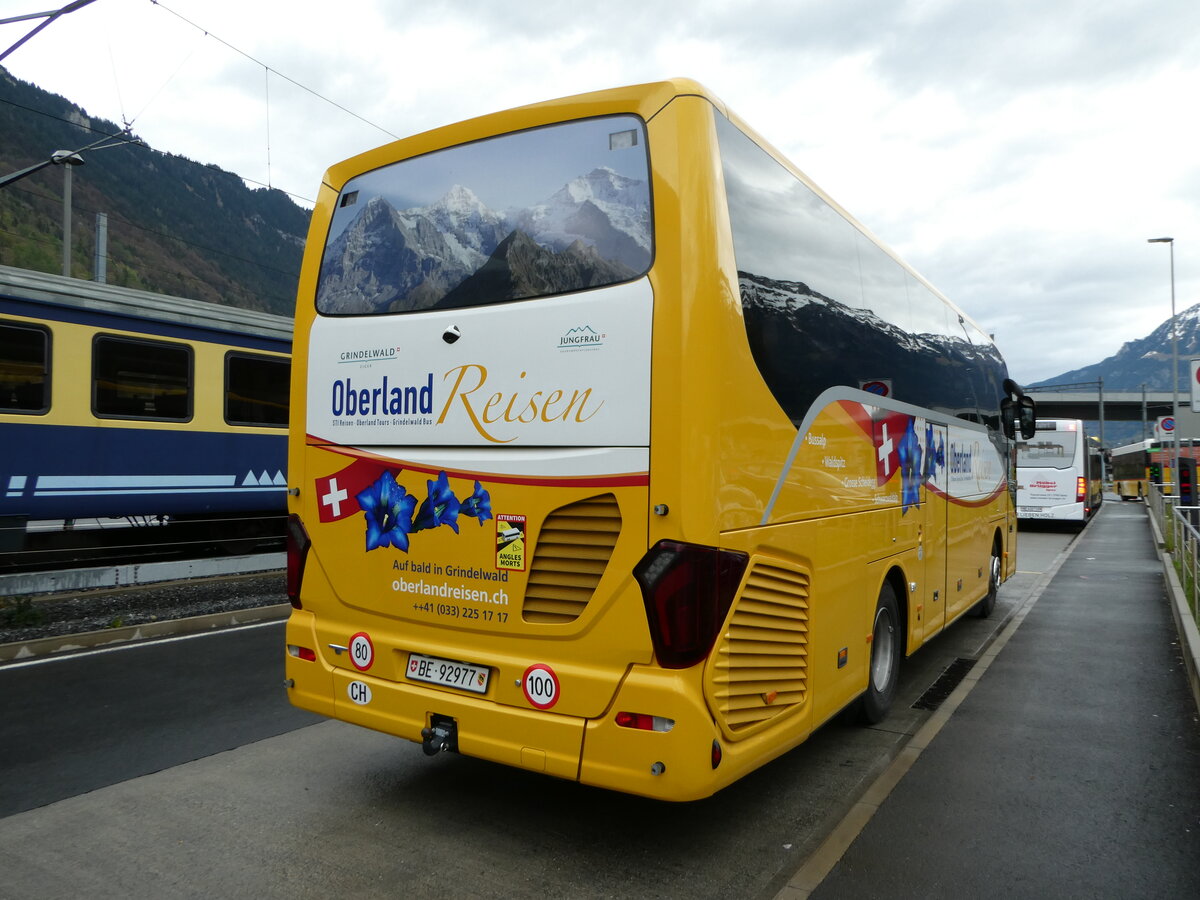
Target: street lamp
1170,241
68,160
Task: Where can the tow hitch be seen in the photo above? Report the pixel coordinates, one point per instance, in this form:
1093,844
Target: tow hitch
442,734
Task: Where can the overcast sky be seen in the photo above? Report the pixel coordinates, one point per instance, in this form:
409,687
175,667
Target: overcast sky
1017,153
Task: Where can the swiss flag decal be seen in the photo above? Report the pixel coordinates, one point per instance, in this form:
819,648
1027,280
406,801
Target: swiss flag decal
888,430
336,493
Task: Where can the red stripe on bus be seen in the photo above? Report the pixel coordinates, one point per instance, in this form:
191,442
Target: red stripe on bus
623,479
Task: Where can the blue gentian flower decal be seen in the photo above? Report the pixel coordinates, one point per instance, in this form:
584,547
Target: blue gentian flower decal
930,468
479,504
935,455
909,452
389,511
441,507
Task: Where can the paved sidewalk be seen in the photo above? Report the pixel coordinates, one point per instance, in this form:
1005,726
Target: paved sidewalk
1071,769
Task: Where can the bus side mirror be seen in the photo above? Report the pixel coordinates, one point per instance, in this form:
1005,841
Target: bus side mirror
1019,416
1026,417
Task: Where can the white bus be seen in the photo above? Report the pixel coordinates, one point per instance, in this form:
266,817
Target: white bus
1059,473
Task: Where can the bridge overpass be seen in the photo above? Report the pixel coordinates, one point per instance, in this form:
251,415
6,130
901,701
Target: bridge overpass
1093,405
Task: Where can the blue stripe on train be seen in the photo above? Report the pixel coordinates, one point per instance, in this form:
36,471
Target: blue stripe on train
60,472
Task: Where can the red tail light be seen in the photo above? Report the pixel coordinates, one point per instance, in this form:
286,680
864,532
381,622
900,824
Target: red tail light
1080,489
644,722
687,590
297,554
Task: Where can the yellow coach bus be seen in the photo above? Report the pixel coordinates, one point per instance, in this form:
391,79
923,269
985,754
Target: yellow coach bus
620,452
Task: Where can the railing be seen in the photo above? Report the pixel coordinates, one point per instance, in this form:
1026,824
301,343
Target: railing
1180,528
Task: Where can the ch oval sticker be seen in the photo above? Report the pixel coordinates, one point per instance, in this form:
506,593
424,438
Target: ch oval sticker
359,692
540,686
362,651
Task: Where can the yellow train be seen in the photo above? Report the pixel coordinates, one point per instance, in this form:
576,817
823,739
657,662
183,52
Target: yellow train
117,403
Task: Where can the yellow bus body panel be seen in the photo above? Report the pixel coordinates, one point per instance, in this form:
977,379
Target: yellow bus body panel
724,470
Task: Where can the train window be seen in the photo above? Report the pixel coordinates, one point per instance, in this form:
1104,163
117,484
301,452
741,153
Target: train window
137,379
256,389
24,368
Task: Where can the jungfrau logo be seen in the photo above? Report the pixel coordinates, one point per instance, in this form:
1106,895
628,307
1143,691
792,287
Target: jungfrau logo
585,337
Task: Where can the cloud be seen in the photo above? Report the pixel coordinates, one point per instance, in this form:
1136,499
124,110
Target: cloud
1017,153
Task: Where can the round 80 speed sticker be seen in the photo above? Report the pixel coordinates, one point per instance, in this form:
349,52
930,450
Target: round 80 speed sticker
540,686
362,651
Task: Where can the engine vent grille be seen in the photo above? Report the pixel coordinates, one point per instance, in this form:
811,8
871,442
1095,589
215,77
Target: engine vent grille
573,548
760,668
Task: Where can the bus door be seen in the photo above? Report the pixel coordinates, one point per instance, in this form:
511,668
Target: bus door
934,506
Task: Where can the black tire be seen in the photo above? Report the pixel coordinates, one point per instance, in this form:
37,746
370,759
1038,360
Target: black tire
886,650
984,607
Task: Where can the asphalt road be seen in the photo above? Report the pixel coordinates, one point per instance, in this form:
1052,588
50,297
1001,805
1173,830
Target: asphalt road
177,769
71,725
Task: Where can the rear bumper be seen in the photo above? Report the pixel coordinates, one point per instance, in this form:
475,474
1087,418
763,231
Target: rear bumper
672,765
1068,512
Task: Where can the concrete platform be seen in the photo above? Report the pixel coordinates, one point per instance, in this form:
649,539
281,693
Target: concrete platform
1067,764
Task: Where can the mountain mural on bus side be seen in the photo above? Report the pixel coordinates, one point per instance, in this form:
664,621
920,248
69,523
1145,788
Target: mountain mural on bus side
848,346
390,260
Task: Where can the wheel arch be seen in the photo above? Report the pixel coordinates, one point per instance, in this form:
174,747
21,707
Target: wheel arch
899,584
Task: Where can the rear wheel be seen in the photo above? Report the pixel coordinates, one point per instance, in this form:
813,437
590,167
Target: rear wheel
984,607
885,658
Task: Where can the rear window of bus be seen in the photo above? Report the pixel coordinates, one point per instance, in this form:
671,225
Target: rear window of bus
534,213
1048,449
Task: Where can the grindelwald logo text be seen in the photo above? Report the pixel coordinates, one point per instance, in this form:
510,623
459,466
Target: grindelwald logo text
371,354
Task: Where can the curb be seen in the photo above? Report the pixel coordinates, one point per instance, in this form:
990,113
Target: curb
21,650
1185,624
820,863
131,575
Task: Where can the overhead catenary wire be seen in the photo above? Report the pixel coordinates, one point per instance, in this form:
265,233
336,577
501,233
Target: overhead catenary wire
143,267
267,97
276,72
41,112
178,68
204,32
156,232
49,17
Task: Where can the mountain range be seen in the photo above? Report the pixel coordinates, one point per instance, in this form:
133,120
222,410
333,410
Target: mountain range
175,226
1144,361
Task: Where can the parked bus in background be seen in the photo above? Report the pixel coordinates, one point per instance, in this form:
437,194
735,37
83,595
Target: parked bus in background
1136,466
1060,473
620,452
1131,469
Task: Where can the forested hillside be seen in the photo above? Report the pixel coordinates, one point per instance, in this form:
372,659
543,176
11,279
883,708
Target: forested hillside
174,225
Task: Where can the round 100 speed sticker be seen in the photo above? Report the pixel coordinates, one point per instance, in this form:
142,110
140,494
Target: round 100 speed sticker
540,686
362,651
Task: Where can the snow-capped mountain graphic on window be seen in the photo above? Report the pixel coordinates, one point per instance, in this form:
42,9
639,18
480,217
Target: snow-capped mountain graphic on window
536,238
